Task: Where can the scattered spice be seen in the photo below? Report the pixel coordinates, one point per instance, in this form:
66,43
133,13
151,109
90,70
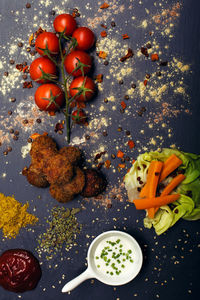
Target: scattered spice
125,36
104,33
28,5
144,51
58,127
14,216
145,82
163,63
131,144
113,24
99,155
103,26
102,54
62,231
107,163
128,55
123,104
120,154
104,5
27,85
122,166
154,57
99,78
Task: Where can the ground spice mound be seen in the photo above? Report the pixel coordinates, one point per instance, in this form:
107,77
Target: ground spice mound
13,216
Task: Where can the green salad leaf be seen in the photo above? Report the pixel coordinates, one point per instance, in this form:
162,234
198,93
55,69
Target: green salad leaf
187,206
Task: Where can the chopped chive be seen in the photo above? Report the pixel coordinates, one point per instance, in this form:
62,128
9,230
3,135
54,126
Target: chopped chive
98,266
123,266
129,251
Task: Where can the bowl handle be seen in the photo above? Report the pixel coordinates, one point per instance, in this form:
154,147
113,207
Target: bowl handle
76,281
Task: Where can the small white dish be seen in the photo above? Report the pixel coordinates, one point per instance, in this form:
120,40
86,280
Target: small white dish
102,272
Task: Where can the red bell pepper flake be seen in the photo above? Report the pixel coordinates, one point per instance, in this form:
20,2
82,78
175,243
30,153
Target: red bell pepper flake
131,144
25,69
122,166
107,163
35,135
104,5
123,104
20,67
125,36
51,113
154,57
102,54
133,161
120,154
145,82
104,33
99,78
27,85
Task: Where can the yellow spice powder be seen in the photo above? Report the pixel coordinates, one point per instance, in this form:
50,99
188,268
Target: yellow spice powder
14,216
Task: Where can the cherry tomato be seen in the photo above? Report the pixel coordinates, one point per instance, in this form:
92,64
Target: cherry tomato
72,59
86,83
49,90
65,22
46,65
85,38
47,39
79,116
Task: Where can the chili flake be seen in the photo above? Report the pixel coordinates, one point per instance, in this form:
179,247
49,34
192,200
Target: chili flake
120,154
104,5
145,82
131,144
104,33
107,163
125,36
27,85
154,57
123,104
19,67
99,78
102,54
122,166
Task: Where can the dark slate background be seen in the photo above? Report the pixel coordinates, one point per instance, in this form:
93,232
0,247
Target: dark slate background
171,261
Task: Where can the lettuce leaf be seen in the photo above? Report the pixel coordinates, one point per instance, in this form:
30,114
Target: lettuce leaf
187,206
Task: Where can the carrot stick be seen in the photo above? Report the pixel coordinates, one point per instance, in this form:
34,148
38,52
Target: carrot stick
173,184
149,190
171,164
153,175
155,201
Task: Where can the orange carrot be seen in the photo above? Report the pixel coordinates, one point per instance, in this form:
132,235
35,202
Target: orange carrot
155,168
149,190
171,164
146,203
173,184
